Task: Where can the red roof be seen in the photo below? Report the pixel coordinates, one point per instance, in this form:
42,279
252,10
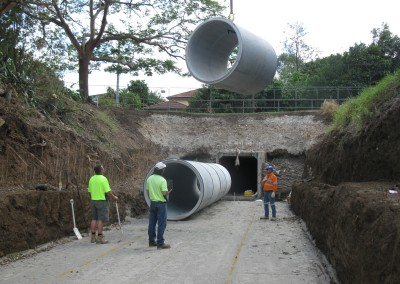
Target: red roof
168,105
183,95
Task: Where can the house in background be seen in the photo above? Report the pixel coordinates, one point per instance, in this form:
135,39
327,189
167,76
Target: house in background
175,102
183,98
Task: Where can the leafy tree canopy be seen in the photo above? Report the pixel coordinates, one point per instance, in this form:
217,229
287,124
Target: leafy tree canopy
135,95
361,65
129,33
296,53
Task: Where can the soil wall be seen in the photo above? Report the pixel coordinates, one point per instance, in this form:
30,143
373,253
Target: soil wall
357,227
346,205
32,218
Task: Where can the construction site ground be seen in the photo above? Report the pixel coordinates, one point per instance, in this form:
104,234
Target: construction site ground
339,181
226,242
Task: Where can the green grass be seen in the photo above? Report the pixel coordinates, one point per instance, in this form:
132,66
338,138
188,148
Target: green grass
357,111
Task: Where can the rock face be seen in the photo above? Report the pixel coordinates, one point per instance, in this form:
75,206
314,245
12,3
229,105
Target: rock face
347,207
182,134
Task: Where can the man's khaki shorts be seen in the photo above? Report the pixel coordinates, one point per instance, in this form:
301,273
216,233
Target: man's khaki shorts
99,210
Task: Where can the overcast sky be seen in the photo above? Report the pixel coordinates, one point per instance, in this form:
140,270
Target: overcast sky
332,27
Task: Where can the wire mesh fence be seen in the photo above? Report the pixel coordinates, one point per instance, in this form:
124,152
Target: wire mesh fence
276,100
271,100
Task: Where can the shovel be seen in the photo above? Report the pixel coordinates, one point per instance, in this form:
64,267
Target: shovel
119,221
76,231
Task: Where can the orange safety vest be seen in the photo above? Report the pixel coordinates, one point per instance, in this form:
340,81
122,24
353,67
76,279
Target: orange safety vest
269,182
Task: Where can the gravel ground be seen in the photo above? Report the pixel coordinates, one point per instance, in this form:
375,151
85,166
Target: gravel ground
223,243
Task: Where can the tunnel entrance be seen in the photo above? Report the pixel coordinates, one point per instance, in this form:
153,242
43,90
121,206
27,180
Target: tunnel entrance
245,175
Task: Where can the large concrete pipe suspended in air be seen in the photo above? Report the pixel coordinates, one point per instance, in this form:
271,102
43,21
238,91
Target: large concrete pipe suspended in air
209,51
195,186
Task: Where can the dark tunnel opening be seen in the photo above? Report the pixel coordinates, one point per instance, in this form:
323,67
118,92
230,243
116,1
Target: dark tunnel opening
244,176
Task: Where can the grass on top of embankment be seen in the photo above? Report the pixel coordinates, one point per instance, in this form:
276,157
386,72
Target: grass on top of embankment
357,111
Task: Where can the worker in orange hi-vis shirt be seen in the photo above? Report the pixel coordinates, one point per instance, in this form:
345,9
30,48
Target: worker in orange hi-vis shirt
269,185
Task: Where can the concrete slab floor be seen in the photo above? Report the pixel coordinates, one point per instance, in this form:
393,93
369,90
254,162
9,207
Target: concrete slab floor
223,243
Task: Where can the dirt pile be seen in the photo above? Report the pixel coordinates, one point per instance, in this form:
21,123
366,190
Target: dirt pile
347,207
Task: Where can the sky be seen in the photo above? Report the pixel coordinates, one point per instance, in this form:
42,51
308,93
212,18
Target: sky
331,26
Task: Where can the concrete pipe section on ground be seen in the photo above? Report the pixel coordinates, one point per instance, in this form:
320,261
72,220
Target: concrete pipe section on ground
211,49
195,186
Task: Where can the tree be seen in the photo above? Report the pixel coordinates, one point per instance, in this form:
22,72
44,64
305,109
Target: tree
87,32
135,95
327,71
210,99
388,45
140,89
367,66
296,53
361,65
107,99
130,100
19,69
6,5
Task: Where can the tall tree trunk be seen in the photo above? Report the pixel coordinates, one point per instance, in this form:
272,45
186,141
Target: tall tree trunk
84,76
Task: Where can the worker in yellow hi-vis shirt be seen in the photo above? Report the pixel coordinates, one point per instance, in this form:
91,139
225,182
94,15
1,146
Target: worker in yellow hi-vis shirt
100,192
157,187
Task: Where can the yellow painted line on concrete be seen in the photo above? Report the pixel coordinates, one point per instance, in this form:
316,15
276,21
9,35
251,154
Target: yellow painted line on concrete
87,263
102,255
62,275
238,250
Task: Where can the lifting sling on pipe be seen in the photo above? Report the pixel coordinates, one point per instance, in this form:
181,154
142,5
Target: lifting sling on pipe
231,15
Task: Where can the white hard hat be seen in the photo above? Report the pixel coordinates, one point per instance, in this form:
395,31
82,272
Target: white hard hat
160,166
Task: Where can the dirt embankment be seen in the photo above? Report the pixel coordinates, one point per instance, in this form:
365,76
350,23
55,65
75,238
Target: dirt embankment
357,227
44,150
347,207
371,154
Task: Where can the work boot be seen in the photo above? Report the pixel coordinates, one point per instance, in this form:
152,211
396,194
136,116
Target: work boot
273,219
93,239
152,244
264,218
101,240
163,246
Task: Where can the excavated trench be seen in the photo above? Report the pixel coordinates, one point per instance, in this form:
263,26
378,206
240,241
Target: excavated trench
351,215
128,149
